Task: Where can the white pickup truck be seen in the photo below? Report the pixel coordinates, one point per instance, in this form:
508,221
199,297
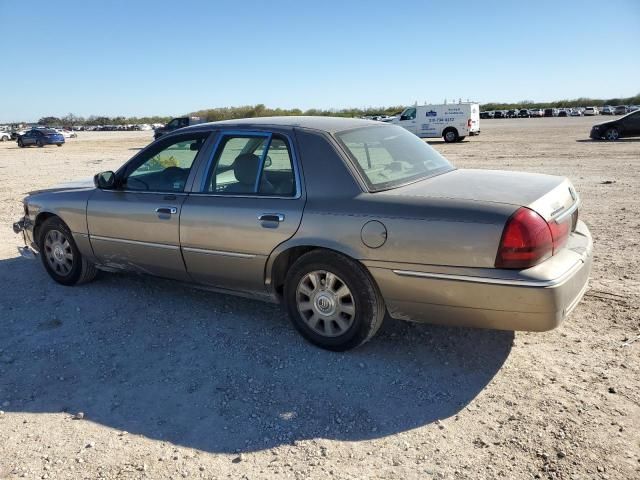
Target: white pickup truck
451,121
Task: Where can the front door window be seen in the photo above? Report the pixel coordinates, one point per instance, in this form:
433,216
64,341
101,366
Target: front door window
166,167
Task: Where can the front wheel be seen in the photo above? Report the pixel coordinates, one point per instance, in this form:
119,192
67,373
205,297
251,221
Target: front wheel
60,255
20,143
612,134
40,143
332,301
59,144
450,135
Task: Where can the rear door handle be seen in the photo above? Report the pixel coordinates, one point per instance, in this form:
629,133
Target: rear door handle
271,217
167,210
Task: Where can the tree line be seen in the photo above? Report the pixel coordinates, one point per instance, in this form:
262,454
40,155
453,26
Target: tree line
578,102
220,113
260,110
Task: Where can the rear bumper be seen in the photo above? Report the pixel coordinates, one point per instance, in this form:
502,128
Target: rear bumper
536,299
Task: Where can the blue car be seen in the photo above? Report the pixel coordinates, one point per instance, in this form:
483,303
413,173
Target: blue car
40,137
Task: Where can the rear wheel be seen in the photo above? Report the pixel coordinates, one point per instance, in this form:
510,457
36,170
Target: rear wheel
20,144
59,144
612,134
60,256
450,135
332,301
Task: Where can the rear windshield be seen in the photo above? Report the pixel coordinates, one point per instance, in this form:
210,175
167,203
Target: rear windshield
389,156
48,131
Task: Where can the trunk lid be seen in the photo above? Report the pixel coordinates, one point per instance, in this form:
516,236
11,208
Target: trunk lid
548,195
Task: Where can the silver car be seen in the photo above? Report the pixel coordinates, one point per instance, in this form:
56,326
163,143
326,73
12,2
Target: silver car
344,221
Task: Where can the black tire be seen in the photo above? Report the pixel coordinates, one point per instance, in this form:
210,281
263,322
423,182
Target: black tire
80,270
59,144
450,135
612,134
20,144
40,143
461,138
368,304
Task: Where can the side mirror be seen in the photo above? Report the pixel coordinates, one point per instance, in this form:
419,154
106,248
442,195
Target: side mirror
105,180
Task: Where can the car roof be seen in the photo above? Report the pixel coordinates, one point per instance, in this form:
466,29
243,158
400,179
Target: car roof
326,124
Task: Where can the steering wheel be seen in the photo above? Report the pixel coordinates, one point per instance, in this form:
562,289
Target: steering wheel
144,184
173,175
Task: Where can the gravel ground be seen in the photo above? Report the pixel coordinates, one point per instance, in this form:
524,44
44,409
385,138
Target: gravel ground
173,382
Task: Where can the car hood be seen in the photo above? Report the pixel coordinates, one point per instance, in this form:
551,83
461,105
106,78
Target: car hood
605,124
547,194
85,184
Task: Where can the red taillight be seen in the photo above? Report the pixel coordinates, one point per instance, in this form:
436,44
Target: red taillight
469,123
526,241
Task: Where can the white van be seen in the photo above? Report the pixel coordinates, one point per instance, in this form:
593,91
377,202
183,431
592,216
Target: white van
451,121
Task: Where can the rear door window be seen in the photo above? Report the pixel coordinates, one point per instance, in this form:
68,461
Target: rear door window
252,165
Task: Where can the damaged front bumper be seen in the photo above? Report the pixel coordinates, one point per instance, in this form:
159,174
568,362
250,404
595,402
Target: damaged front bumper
18,226
25,227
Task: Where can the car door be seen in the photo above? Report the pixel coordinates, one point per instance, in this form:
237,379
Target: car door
249,200
408,119
29,138
135,226
632,125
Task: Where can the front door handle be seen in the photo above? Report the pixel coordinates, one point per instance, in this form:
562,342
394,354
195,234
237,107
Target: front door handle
271,217
167,210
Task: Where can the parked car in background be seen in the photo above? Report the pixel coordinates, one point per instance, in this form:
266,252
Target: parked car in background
563,112
591,111
550,112
175,124
524,113
390,227
66,133
607,110
486,115
576,112
41,137
513,113
626,126
536,112
620,110
16,133
500,114
5,136
633,108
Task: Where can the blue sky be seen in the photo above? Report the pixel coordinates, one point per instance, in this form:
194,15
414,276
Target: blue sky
156,57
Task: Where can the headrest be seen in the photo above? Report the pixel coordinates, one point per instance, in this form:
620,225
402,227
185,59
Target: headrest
245,168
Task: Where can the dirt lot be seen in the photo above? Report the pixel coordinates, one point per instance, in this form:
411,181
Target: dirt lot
212,386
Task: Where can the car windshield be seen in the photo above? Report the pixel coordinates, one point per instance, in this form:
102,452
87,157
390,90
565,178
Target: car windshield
389,156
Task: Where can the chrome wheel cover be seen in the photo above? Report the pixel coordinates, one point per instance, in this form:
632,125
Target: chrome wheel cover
325,303
58,252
